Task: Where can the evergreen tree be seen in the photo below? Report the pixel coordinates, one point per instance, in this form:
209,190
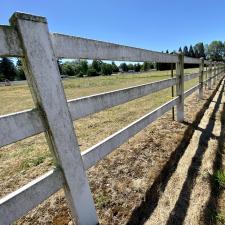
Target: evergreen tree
96,64
145,66
200,49
216,51
19,71
130,66
191,52
115,68
83,67
196,53
185,51
106,69
180,50
123,67
137,67
7,69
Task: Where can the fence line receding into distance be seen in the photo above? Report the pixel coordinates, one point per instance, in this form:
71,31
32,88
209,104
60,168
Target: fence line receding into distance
28,37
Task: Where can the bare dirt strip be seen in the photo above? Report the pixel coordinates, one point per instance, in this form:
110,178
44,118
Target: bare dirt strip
161,176
188,191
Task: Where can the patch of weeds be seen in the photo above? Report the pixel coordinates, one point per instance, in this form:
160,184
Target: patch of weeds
218,218
219,177
101,200
28,163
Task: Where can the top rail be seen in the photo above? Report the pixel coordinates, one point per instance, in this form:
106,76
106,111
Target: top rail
66,46
10,44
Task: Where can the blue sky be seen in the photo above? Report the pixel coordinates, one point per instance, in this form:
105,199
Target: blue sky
156,25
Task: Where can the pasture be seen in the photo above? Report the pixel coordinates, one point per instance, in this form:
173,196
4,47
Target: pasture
24,160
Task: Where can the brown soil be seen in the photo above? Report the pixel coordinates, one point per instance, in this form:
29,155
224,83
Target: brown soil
130,182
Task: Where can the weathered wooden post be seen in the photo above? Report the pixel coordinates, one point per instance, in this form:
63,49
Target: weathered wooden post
201,74
180,87
214,73
206,75
210,76
47,90
172,90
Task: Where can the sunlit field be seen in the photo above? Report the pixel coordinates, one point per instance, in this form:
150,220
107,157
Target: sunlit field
32,156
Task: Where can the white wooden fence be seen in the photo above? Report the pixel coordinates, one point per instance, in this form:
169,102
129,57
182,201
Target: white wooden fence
28,37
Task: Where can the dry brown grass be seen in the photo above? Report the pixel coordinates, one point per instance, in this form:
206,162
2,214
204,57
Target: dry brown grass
22,161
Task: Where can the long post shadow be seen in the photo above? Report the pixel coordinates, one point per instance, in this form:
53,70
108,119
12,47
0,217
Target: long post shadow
179,211
210,209
141,214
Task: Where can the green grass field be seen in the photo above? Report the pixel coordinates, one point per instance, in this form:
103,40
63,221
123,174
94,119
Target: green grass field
22,158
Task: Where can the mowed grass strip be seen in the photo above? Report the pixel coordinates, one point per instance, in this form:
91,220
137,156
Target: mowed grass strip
24,160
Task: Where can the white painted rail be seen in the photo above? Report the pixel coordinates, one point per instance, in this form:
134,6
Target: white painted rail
18,126
21,201
82,107
10,44
28,37
103,148
191,90
21,125
64,46
191,76
43,187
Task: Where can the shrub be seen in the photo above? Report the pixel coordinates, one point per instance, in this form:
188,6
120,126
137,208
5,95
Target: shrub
106,69
91,72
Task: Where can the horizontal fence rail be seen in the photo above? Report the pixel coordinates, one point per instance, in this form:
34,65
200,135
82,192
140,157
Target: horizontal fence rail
21,125
43,187
18,126
21,201
191,90
17,40
10,44
191,76
99,151
64,46
88,105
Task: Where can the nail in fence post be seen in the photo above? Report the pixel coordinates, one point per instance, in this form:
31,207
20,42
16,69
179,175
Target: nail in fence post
180,87
201,73
47,90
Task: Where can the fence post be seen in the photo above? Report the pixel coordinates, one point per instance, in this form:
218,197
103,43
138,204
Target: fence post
210,76
47,90
206,75
180,87
201,73
214,74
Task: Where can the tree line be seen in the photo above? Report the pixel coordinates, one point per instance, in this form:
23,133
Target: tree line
215,51
13,71
81,68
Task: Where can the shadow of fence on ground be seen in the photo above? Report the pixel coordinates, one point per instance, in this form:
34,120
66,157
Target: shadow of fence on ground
179,211
211,207
141,214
